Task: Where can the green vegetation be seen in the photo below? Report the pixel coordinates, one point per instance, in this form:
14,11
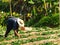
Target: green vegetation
41,15
27,37
49,21
49,43
46,13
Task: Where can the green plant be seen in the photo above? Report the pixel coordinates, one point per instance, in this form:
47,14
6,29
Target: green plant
49,43
44,21
55,19
46,33
51,21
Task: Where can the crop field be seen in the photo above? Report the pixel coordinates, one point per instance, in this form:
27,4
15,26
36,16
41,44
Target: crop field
37,36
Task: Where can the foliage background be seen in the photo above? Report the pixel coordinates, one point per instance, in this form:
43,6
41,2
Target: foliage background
34,12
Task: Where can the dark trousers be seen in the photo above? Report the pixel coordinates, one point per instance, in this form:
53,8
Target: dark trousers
11,24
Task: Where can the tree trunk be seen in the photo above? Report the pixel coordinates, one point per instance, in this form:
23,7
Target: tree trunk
45,7
59,13
10,8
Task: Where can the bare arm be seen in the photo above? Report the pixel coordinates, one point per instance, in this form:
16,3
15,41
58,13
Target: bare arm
16,33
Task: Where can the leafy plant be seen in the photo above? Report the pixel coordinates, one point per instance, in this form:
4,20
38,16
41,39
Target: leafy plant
51,21
49,43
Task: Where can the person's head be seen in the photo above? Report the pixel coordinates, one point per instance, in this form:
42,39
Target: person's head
22,28
22,23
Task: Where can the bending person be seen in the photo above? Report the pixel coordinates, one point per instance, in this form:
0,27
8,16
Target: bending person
14,23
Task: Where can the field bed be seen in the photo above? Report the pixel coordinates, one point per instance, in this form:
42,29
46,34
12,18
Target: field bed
37,36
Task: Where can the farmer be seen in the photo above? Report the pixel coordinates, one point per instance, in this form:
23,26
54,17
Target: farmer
14,23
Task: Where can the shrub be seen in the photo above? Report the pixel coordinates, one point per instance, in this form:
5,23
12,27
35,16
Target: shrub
34,20
48,21
43,21
55,20
4,16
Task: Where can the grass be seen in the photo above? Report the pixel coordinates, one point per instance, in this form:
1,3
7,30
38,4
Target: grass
28,40
30,37
46,33
49,43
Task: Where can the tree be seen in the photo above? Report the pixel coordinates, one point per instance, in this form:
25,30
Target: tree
10,8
